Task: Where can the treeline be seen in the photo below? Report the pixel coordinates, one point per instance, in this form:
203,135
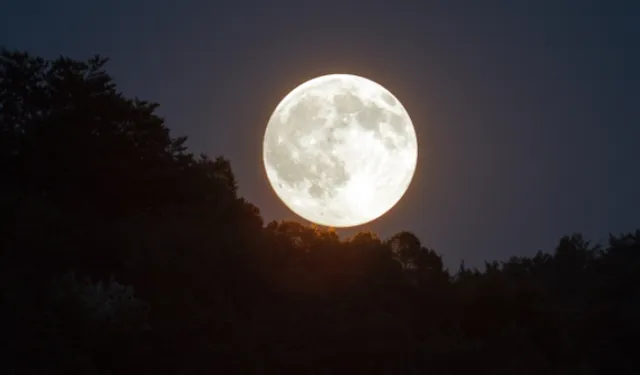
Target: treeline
123,253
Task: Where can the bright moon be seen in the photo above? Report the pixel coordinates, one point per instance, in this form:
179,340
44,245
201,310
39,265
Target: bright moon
340,150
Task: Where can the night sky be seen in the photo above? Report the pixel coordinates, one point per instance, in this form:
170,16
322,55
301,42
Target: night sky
527,112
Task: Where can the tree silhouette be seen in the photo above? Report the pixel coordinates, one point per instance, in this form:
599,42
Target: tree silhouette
122,252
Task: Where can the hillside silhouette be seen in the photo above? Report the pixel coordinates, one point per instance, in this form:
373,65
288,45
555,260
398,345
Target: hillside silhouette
123,253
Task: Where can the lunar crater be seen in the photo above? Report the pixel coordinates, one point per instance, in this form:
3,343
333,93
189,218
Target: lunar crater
347,103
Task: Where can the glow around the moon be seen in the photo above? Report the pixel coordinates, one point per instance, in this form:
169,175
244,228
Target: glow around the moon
340,150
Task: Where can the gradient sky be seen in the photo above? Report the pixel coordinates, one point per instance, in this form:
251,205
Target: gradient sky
527,112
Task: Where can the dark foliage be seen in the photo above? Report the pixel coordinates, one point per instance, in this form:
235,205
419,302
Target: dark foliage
122,253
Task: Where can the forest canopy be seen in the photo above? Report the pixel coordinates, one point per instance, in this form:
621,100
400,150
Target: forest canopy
122,252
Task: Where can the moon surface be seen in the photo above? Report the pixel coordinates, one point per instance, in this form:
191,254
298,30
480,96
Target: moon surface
340,150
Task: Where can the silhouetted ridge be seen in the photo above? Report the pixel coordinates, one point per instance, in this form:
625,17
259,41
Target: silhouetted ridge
123,253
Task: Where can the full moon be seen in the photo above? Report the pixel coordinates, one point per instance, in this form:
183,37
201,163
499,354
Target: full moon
340,150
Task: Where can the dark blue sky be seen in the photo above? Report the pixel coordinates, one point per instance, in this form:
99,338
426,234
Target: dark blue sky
527,112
